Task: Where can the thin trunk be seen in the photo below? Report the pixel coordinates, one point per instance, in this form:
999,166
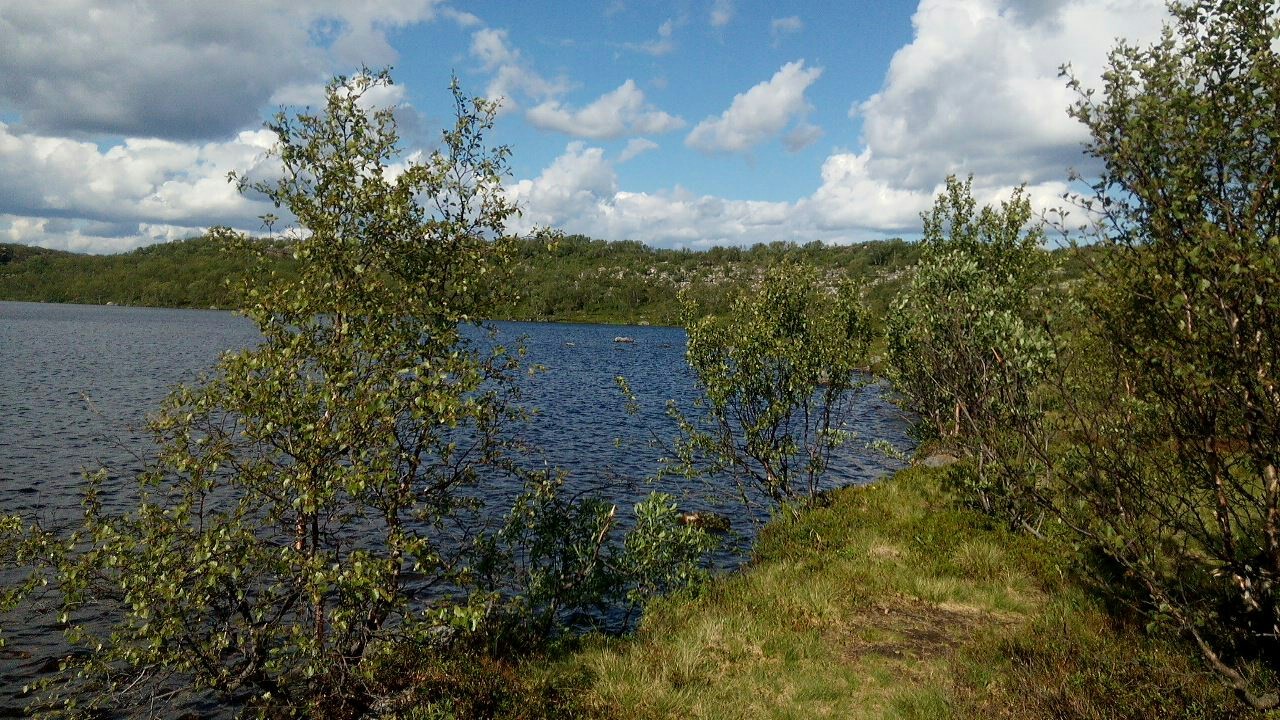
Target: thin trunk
317,598
1273,516
1235,679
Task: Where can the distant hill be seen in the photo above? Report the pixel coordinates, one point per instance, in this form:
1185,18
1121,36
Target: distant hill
577,279
186,273
582,279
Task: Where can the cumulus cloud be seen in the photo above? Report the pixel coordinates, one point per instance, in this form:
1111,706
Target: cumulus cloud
758,114
801,137
579,192
491,47
462,19
52,187
86,236
850,197
512,75
573,185
662,45
176,70
977,90
780,28
671,218
617,113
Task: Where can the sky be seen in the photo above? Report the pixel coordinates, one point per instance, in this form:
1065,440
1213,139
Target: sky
678,123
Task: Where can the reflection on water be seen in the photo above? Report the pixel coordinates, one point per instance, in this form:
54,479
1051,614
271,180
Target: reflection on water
76,383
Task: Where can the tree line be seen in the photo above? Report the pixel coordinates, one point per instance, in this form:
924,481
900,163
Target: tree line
570,278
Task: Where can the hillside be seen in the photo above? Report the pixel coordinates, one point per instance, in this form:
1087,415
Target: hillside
581,279
187,273
577,279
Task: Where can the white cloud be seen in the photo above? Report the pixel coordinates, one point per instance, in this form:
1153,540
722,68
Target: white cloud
636,147
180,70
82,236
802,136
513,77
721,12
850,197
784,26
617,113
490,46
578,192
462,19
72,190
571,186
758,114
299,94
977,90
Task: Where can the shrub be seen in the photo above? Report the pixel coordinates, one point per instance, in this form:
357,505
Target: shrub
778,378
1175,475
969,348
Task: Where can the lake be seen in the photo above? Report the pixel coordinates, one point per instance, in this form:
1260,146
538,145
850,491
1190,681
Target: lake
77,381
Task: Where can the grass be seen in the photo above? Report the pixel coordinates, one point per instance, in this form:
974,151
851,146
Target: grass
889,601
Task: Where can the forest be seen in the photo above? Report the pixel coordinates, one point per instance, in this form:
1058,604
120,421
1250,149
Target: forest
570,278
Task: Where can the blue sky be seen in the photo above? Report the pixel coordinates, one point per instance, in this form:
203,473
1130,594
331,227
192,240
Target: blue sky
680,124
692,73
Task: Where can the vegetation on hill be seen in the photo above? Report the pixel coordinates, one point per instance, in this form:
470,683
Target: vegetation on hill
200,272
580,279
573,279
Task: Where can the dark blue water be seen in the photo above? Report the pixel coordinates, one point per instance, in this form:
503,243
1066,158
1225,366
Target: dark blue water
77,381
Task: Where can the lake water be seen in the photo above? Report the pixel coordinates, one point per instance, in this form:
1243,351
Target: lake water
77,381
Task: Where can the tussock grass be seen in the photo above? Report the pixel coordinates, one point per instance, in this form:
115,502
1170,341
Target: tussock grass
891,601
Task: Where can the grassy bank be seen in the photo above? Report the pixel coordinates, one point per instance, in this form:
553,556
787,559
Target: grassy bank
892,602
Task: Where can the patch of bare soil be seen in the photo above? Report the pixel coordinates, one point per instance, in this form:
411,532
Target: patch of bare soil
911,629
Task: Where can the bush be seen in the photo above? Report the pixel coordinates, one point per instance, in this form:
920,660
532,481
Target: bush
969,348
778,378
1174,475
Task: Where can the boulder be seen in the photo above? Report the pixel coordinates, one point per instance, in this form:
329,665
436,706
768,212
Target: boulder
940,460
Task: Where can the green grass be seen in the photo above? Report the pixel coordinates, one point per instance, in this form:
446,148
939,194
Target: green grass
892,602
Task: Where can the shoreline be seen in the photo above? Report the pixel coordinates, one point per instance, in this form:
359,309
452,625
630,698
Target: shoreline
235,310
